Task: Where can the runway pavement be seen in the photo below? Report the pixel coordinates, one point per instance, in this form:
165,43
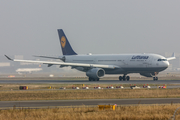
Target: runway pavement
58,103
90,82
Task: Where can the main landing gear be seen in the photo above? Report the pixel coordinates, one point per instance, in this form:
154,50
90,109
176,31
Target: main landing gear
92,79
124,78
155,78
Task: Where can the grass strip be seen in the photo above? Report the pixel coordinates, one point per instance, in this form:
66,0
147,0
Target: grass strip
140,112
88,94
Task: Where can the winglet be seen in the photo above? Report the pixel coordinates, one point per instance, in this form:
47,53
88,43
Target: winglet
8,57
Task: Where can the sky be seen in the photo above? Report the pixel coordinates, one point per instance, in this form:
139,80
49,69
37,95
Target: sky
29,27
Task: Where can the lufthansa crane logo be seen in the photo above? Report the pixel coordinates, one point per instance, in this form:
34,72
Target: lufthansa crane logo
63,41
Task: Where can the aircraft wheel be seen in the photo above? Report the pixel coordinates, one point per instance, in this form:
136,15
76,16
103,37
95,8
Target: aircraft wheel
128,78
155,78
124,78
98,79
120,78
91,79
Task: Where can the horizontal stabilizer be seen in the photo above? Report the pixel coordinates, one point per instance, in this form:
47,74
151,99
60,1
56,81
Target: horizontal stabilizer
172,57
60,58
47,57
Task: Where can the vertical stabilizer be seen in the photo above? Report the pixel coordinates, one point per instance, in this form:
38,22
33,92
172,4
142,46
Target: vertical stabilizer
65,45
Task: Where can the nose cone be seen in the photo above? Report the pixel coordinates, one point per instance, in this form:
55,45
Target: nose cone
165,64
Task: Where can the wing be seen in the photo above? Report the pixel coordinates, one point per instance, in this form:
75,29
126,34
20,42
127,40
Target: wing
65,64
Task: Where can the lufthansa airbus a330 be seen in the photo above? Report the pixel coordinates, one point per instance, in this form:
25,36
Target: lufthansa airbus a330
96,66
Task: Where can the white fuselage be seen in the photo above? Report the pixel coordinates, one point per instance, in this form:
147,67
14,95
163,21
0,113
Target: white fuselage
128,63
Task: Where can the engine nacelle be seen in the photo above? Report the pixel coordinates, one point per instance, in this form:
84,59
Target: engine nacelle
95,73
149,74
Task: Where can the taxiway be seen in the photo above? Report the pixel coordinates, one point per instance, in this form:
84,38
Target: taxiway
91,82
60,103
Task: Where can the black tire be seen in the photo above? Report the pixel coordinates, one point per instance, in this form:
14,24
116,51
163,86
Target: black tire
128,78
156,78
91,79
120,78
98,79
124,78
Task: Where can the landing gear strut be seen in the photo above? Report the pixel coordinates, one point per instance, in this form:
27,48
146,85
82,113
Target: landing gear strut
92,79
124,78
155,78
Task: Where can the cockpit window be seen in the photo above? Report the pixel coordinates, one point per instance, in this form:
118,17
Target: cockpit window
162,59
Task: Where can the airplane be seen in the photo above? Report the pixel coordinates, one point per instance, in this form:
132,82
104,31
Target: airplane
96,66
27,70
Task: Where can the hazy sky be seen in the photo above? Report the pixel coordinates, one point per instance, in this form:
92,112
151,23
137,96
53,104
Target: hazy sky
29,27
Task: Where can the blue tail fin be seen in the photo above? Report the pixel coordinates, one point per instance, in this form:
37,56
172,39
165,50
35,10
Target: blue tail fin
66,47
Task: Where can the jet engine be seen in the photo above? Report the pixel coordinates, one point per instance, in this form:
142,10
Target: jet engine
149,74
95,73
